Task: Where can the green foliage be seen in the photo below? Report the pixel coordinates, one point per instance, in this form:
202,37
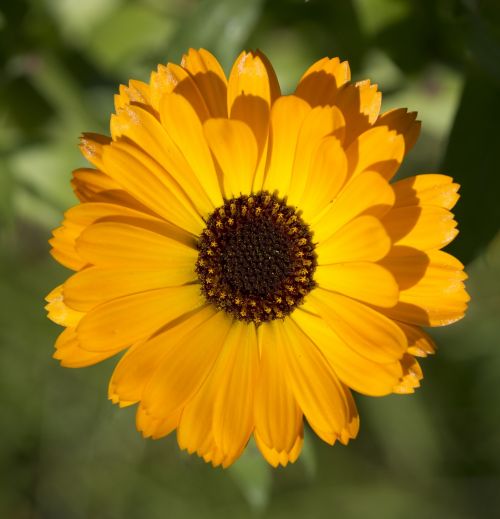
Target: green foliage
66,451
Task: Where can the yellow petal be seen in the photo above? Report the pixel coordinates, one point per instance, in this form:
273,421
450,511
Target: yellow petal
122,322
115,244
252,90
252,76
139,244
367,193
174,79
431,189
194,433
58,311
87,183
278,419
363,329
93,286
186,131
377,149
138,365
136,92
63,246
234,149
359,372
146,180
326,175
71,355
420,343
320,395
431,302
183,369
287,116
91,146
367,282
420,227
235,374
318,123
79,217
155,428
412,375
274,457
360,104
320,83
402,122
139,126
431,268
362,239
210,79
163,81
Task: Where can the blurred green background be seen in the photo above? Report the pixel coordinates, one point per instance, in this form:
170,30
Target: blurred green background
65,451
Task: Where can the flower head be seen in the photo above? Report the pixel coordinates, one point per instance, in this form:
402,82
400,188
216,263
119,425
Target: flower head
250,254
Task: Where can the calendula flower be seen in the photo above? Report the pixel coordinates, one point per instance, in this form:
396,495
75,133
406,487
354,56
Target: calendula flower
250,254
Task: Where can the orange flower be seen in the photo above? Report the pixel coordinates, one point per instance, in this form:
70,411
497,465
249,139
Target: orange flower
250,254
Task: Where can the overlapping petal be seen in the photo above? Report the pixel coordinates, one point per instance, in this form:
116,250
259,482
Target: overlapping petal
182,146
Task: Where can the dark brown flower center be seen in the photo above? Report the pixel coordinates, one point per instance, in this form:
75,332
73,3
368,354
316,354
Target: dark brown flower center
256,258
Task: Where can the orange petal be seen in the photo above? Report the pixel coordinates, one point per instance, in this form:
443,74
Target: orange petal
252,75
402,122
360,104
87,182
320,83
122,322
318,123
362,239
412,375
275,457
420,343
367,193
155,428
174,79
59,312
210,79
136,368
186,131
234,149
93,286
375,375
146,180
81,216
278,419
139,126
377,149
183,370
363,329
71,355
135,92
430,189
321,396
116,244
252,90
235,374
287,116
420,227
437,299
91,146
367,282
325,177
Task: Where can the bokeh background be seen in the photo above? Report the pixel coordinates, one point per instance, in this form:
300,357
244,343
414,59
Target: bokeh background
65,451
